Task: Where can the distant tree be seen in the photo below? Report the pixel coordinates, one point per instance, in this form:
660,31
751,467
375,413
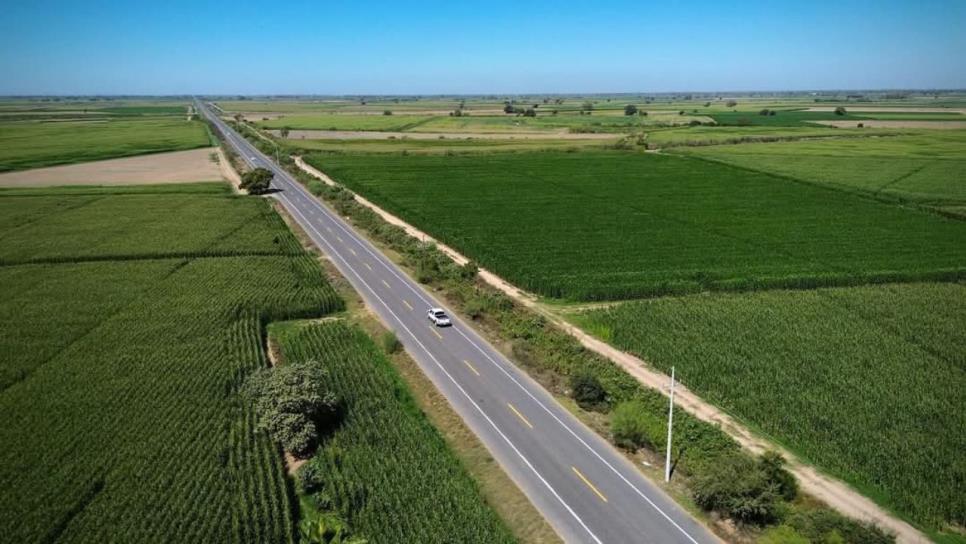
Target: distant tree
707,104
530,112
587,106
840,110
284,132
731,103
387,112
765,112
630,109
554,112
508,107
642,113
257,181
238,117
681,112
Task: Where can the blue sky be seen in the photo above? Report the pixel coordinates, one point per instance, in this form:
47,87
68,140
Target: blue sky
488,47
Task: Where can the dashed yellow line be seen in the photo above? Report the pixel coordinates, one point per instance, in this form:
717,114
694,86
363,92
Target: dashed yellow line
436,332
590,485
408,305
470,365
386,283
519,415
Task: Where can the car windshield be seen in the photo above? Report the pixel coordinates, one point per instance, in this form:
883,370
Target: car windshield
439,314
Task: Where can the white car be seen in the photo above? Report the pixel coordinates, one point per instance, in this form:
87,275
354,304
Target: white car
438,317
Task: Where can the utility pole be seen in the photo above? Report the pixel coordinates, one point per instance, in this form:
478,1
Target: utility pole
670,418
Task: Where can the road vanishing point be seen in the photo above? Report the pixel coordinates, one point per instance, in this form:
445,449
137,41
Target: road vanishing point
586,489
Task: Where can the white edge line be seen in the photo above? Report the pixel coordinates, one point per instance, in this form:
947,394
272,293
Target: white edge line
448,375
579,439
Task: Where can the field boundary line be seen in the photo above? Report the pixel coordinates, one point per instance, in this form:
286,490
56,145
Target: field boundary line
834,492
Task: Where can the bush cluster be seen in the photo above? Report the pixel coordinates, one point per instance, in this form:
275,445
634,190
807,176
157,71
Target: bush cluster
292,404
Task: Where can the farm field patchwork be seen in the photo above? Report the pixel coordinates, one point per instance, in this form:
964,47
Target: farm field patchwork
867,382
33,144
121,376
325,121
385,449
926,166
610,225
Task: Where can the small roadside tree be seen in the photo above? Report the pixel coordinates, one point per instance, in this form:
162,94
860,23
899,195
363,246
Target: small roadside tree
588,391
587,106
731,103
387,112
257,181
284,132
630,109
840,110
530,112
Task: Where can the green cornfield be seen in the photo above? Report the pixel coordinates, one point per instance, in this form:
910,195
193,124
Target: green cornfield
385,468
868,383
127,325
601,225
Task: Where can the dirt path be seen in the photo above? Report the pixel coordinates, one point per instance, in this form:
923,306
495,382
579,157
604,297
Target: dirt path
175,167
833,492
228,171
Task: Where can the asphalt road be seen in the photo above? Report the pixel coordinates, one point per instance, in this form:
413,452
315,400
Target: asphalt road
584,487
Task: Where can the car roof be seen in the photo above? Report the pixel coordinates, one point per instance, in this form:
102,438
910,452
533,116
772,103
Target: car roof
436,310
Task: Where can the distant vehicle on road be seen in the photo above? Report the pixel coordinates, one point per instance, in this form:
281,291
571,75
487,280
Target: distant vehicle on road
439,317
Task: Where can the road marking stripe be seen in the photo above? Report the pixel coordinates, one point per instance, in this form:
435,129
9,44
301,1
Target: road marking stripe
369,266
436,332
352,251
473,368
519,415
590,485
458,386
579,439
408,305
339,238
386,283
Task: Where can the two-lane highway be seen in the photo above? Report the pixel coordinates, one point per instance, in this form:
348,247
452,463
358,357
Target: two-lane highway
585,488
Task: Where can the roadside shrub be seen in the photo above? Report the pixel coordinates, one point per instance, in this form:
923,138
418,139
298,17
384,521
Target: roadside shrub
737,487
390,343
630,109
387,112
634,426
765,112
587,391
783,534
469,270
292,404
731,103
823,525
773,464
840,110
860,125
530,112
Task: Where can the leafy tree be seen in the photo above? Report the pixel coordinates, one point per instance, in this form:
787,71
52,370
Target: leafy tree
387,112
284,132
773,465
840,110
630,109
765,112
587,106
292,403
530,112
731,103
257,181
587,390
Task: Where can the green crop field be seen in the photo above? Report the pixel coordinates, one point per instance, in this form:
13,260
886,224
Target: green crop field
926,166
385,450
867,382
323,121
32,144
719,135
119,413
610,225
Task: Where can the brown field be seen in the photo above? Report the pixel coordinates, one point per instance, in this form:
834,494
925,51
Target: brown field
175,167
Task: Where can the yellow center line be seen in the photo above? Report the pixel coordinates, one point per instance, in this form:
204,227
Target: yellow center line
467,363
519,415
368,266
436,332
408,305
384,282
590,485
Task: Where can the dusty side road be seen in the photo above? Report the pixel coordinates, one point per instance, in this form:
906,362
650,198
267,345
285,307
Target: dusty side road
833,492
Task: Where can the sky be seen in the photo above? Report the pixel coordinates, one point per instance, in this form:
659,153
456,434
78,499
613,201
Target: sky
494,47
